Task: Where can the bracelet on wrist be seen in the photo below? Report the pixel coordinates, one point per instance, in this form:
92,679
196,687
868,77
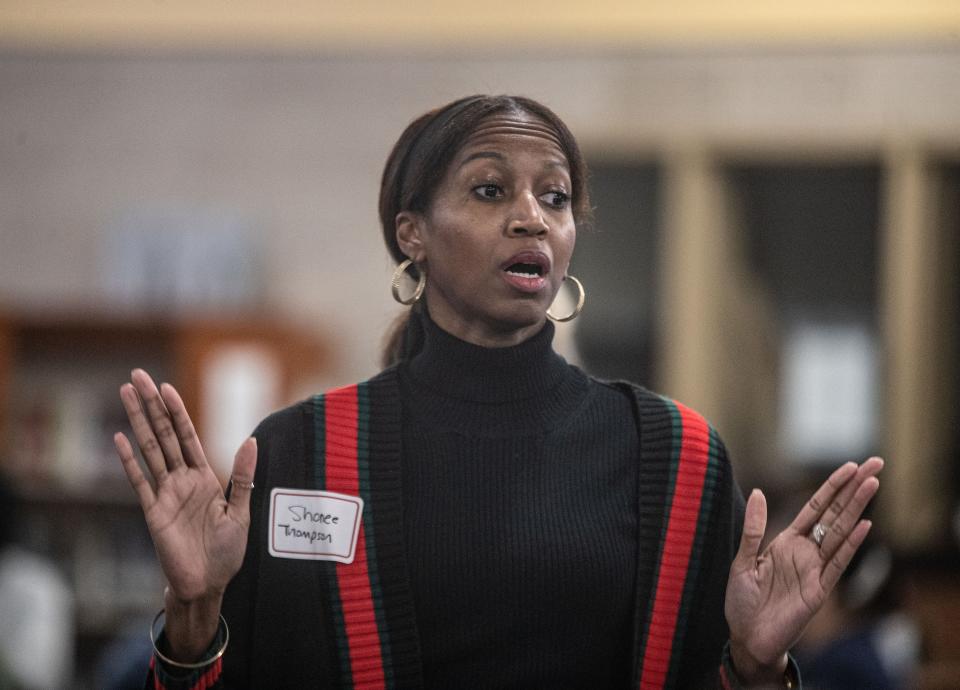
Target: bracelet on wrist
179,664
790,680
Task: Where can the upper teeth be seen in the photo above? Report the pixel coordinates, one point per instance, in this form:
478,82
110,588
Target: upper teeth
525,269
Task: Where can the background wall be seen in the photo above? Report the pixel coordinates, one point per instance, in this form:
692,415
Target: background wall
295,145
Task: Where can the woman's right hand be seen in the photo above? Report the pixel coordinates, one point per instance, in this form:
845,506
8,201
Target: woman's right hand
199,535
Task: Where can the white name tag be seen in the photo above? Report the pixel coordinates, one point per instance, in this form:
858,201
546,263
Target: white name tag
314,525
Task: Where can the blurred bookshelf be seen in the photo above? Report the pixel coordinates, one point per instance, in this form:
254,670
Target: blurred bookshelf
615,335
762,241
59,409
766,246
803,294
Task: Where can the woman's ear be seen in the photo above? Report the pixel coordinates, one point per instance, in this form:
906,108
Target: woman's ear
410,235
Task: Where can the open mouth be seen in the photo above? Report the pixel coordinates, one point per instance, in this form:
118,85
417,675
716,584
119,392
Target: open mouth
525,270
527,264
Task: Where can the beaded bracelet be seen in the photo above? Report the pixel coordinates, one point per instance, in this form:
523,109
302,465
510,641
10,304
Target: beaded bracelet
178,664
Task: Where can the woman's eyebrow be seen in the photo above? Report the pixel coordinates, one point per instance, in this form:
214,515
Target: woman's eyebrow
482,154
553,163
562,164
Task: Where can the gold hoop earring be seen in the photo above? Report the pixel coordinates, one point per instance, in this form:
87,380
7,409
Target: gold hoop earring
395,284
582,297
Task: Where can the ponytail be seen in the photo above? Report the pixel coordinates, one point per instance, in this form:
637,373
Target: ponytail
404,337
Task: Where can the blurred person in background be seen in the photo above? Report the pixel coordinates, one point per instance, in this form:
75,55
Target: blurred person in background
480,513
863,637
120,665
36,609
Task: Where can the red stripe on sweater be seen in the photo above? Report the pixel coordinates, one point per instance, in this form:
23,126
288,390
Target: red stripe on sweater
157,685
204,682
209,679
724,681
675,554
353,580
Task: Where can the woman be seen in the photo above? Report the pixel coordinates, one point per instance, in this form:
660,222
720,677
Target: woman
480,514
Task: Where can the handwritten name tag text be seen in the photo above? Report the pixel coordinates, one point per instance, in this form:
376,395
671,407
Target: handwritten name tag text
314,525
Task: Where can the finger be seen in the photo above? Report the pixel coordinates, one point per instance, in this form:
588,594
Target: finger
132,469
849,518
160,422
244,467
813,509
869,468
152,454
754,525
834,568
186,433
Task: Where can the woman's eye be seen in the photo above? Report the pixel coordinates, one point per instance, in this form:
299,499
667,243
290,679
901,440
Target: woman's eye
556,199
488,191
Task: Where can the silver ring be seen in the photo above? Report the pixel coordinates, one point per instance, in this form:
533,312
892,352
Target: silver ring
242,485
818,532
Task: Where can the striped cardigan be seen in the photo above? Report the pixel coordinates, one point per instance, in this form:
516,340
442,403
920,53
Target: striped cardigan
336,625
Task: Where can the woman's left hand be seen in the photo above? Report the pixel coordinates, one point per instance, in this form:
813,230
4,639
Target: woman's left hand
771,596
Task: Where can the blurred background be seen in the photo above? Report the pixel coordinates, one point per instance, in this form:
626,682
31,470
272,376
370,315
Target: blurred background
191,187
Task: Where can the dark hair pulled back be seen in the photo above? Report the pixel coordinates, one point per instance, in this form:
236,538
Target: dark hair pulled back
418,163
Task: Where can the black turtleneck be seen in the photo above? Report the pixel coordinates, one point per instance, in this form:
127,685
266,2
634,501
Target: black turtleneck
520,495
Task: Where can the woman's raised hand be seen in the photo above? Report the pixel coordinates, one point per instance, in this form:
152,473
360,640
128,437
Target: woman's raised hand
200,536
771,596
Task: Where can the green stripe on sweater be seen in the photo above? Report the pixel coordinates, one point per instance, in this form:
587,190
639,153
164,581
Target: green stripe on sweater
328,569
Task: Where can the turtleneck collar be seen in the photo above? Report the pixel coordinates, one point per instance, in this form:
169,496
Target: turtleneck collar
459,384
464,371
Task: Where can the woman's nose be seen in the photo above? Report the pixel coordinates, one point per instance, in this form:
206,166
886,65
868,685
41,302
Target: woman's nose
527,218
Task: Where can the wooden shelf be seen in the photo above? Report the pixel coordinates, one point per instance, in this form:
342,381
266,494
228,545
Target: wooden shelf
59,380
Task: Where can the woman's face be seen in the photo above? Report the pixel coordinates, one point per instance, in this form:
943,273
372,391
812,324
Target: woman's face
498,236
